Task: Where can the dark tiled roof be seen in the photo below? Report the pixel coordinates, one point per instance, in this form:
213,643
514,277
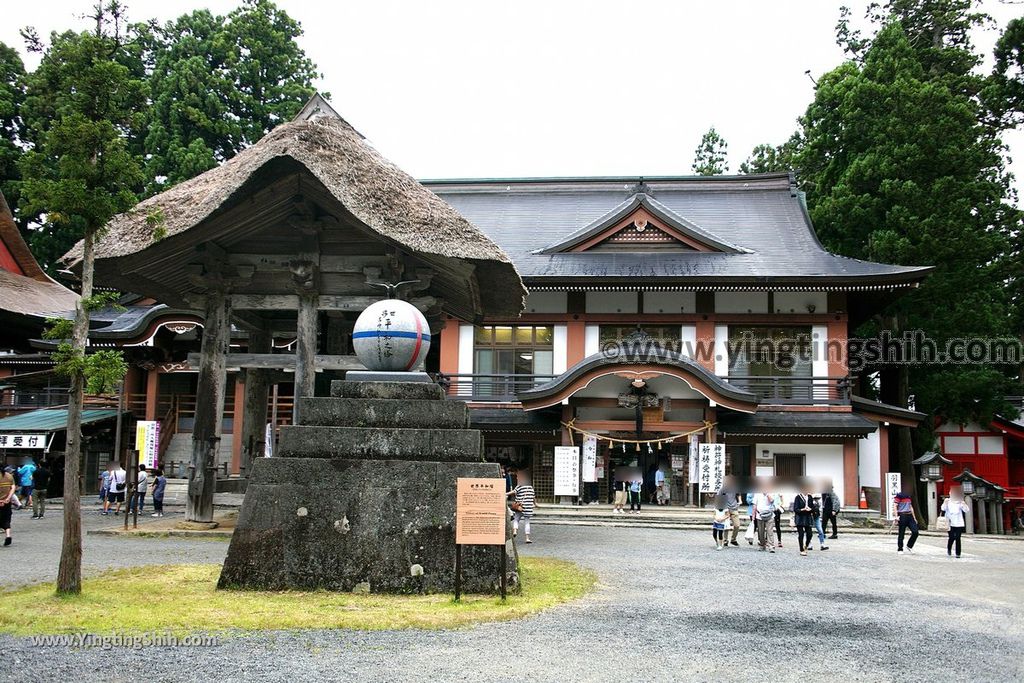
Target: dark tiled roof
761,215
795,424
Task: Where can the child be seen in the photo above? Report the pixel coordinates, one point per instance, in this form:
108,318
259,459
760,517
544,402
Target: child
718,527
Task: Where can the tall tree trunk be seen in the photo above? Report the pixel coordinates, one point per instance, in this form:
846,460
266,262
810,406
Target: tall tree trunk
69,572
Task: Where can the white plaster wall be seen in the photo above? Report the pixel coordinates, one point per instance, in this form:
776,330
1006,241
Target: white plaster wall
959,444
546,302
465,349
820,460
990,444
797,302
611,302
688,336
591,340
819,347
721,350
741,302
560,350
869,459
670,302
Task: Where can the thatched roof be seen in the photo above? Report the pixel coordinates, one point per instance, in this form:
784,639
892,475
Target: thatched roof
375,191
31,291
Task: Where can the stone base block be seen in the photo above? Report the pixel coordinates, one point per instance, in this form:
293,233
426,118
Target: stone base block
314,441
378,412
387,390
384,376
386,526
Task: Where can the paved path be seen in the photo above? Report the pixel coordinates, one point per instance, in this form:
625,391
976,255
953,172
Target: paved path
668,607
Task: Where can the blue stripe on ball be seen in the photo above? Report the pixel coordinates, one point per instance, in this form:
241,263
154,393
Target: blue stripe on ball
394,333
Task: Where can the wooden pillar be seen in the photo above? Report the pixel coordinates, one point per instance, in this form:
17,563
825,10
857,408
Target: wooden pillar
704,351
236,423
883,462
450,347
254,414
576,344
202,472
851,485
152,392
305,350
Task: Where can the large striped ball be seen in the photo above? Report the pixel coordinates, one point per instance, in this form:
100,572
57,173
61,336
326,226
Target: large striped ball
391,335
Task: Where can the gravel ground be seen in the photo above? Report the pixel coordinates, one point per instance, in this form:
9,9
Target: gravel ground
668,607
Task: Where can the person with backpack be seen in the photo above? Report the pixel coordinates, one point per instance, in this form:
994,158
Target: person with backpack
905,512
25,476
118,485
159,485
41,480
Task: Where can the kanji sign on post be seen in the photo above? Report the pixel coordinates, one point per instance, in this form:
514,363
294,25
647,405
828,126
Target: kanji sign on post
590,459
567,470
711,467
893,485
480,511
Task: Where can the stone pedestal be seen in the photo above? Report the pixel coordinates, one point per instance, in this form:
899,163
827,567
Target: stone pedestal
362,491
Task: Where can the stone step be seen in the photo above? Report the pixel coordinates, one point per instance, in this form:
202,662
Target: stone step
380,412
406,391
443,445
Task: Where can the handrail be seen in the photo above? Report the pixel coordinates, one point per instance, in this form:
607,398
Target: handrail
168,427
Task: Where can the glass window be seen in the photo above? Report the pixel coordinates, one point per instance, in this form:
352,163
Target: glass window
513,350
665,336
770,351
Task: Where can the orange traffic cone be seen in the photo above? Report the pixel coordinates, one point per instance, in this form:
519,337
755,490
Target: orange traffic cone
863,505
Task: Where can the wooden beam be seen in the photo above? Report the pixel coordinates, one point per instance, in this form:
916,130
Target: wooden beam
327,302
280,361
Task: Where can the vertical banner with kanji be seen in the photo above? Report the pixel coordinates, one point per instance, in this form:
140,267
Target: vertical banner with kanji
567,470
694,457
893,485
711,467
590,459
147,442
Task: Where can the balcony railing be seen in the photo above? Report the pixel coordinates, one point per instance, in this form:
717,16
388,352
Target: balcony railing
788,389
771,390
491,388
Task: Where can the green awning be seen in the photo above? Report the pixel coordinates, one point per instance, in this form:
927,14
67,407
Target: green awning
52,419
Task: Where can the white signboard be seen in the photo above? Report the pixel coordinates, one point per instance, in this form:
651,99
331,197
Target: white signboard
567,470
22,440
711,467
893,485
268,441
590,459
147,442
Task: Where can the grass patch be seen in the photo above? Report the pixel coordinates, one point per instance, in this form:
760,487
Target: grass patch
183,599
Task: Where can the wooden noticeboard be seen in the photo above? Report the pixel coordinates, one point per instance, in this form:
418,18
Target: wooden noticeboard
480,511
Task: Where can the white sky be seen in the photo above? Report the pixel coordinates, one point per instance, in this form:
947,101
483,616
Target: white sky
484,89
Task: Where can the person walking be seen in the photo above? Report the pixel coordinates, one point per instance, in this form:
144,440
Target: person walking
830,511
905,511
635,488
141,489
6,502
764,513
105,483
816,514
731,500
719,524
777,500
24,477
954,508
803,517
118,484
41,481
660,489
159,485
522,507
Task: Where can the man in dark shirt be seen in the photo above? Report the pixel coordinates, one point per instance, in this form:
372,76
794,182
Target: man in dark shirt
40,481
829,511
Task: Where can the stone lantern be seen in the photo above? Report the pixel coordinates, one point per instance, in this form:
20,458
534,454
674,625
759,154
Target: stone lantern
931,472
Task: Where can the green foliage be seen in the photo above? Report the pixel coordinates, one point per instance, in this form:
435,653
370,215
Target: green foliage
156,222
711,155
103,371
58,328
771,159
100,300
900,167
81,171
12,128
219,84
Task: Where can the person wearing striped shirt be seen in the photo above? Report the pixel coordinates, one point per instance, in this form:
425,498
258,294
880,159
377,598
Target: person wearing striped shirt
522,506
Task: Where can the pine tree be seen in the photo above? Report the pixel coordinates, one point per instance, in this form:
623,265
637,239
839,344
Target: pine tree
711,155
12,127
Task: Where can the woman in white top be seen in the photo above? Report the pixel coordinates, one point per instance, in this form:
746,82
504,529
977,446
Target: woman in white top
954,508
